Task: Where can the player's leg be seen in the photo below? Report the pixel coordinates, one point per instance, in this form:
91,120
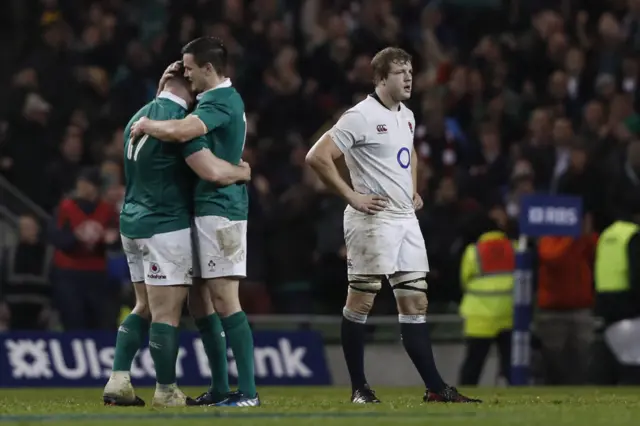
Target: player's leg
371,251
213,340
223,248
131,336
410,290
168,272
166,303
360,298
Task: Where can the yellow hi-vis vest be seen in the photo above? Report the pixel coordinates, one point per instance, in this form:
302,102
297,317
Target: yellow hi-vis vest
612,262
486,276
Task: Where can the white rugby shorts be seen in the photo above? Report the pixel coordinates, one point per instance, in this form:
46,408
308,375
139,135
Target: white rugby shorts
383,246
163,259
221,247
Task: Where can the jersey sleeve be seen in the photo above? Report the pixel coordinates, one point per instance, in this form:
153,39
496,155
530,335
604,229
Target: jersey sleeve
194,145
349,130
213,114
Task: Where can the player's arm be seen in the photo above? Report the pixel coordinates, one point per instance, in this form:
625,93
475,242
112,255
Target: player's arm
206,117
322,158
330,148
417,199
211,168
414,169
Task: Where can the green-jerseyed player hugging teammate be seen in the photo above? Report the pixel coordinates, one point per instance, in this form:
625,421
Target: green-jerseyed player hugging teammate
155,224
220,213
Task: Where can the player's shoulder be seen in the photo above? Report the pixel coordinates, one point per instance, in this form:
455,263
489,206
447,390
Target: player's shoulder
222,95
142,112
358,112
406,111
365,106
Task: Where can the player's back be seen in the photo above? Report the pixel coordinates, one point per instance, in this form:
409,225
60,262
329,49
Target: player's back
159,184
380,161
226,142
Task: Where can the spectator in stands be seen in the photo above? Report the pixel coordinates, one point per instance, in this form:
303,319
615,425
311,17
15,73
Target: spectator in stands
25,285
84,226
60,175
70,71
565,299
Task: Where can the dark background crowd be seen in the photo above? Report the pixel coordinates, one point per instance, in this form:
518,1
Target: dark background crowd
510,97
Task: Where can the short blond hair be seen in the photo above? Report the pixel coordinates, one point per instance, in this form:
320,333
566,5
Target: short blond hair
381,63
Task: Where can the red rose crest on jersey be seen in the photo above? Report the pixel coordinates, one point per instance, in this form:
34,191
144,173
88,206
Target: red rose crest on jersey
410,126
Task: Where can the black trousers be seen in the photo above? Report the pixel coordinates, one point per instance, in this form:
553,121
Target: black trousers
85,300
477,350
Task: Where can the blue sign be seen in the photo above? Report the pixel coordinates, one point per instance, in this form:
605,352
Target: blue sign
32,359
550,215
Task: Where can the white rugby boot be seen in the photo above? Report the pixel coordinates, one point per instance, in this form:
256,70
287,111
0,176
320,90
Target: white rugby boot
119,391
170,396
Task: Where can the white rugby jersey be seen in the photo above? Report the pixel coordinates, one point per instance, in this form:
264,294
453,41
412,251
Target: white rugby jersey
377,145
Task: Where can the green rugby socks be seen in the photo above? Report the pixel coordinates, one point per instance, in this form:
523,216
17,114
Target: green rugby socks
215,346
163,345
240,338
132,334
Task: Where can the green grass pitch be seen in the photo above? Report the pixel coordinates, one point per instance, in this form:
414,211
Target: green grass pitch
328,406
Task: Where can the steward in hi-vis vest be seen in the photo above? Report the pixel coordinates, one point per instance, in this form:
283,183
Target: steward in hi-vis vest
616,355
486,277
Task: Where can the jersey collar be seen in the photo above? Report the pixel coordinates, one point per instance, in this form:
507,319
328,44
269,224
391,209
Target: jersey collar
225,83
177,99
375,96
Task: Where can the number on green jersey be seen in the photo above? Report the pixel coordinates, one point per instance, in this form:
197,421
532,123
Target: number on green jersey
131,154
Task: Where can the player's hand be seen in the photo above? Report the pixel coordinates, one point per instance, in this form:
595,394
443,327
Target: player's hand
370,204
246,169
170,72
138,128
417,202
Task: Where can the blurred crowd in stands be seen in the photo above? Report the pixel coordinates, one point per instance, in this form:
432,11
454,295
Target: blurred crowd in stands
510,97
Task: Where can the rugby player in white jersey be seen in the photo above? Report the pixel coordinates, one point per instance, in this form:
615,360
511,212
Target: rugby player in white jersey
382,233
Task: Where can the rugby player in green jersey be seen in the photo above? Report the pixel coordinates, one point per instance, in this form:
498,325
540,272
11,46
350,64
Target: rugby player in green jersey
155,226
221,212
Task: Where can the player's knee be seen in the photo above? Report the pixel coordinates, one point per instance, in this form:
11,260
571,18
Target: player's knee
142,309
410,291
412,305
224,295
362,293
199,302
166,304
167,315
142,301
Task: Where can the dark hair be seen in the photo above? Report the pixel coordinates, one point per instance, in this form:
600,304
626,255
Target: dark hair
178,76
381,63
208,50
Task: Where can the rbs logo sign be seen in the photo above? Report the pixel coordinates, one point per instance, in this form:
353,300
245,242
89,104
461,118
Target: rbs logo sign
542,215
553,215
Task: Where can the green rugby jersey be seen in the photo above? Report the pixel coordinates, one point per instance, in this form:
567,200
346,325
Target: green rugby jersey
222,110
159,184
